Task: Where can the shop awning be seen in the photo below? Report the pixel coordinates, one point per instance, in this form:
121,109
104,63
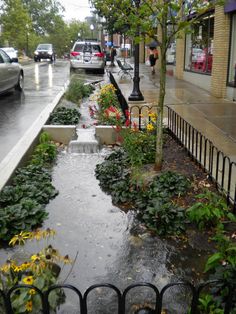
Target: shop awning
230,6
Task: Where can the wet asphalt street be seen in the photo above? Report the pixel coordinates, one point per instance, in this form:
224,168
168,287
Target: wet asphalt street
18,111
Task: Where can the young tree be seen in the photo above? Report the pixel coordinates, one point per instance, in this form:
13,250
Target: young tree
13,21
172,17
44,14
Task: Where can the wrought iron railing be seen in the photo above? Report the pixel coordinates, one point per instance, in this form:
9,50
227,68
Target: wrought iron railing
121,98
121,297
219,167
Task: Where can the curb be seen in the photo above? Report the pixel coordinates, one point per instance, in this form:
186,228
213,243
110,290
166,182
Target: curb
9,164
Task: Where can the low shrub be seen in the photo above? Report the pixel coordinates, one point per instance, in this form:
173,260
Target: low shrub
78,90
64,116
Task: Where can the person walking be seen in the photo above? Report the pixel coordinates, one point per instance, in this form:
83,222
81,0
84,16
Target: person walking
113,54
153,56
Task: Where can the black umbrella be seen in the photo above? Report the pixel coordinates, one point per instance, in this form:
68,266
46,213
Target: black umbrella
153,44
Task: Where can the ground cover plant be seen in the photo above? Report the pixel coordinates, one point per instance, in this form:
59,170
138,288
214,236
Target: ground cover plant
64,116
22,203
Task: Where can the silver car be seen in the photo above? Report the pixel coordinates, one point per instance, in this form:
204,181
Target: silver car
87,55
12,53
11,73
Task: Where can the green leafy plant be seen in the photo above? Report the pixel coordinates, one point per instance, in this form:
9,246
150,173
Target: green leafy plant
22,204
139,145
222,267
21,216
210,211
164,218
40,270
107,97
112,170
64,116
78,90
207,305
45,151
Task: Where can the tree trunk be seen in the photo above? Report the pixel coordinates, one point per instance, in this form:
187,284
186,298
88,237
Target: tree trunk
159,135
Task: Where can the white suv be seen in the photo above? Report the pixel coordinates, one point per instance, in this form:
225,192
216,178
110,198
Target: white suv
87,55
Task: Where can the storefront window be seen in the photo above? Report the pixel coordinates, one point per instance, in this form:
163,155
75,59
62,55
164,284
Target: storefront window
232,64
199,46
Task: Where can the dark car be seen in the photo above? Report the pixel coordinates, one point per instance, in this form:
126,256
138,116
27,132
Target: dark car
11,73
44,52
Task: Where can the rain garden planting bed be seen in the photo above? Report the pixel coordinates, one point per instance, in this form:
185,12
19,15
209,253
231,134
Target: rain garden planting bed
178,205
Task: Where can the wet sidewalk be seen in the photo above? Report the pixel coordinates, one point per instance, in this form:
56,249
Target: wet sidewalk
215,118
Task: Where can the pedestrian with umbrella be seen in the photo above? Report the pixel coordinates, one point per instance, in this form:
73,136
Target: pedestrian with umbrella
153,55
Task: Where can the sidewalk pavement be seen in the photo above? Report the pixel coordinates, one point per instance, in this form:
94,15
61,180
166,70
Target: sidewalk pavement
215,118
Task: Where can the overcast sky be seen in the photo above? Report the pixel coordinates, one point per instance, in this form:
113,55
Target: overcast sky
76,9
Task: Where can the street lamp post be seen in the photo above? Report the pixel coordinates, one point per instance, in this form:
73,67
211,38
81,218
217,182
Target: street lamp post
136,94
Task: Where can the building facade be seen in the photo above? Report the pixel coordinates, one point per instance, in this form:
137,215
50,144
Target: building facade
207,56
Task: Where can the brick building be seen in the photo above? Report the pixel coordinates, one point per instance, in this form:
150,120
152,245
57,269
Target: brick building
207,56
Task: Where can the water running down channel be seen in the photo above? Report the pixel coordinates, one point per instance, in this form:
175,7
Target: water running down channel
112,246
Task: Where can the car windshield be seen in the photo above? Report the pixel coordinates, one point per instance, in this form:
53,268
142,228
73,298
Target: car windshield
9,49
44,47
87,47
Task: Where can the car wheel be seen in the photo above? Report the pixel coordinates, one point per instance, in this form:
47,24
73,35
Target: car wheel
20,83
36,59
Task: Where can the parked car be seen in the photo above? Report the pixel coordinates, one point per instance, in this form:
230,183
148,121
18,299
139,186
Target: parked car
87,55
12,52
45,52
11,73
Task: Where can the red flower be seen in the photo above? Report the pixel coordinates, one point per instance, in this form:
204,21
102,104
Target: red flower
127,122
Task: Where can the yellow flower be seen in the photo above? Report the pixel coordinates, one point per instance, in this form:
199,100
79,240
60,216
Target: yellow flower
49,233
29,306
28,280
6,267
17,268
35,258
67,260
25,265
32,291
37,234
150,127
19,238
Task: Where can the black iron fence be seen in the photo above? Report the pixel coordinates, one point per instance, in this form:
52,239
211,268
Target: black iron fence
121,98
219,167
228,305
